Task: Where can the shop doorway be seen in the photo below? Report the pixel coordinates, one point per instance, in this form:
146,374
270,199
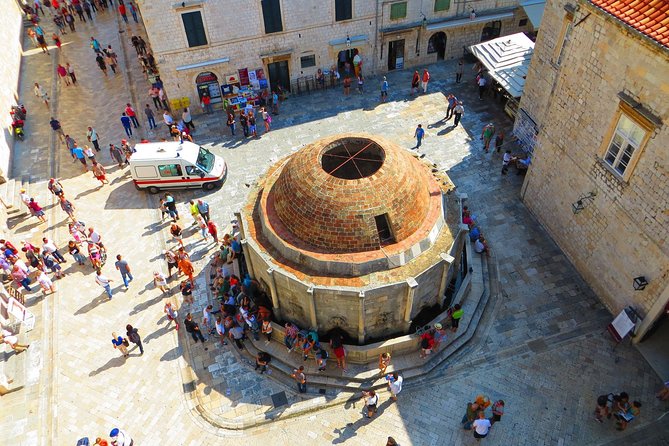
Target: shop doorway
279,75
653,345
396,55
437,44
491,30
346,62
207,82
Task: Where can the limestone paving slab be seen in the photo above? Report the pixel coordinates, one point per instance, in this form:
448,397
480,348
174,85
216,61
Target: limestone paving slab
549,393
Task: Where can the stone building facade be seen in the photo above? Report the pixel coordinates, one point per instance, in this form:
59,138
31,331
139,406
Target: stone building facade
360,243
598,96
296,38
11,28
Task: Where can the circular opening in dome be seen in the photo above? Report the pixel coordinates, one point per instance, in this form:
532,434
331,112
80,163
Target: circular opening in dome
352,158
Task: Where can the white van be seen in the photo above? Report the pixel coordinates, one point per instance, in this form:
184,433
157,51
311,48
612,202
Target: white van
171,165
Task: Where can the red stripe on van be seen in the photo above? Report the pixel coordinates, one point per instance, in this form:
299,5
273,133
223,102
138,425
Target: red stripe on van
176,181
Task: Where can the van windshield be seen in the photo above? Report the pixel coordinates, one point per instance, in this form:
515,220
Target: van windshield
205,160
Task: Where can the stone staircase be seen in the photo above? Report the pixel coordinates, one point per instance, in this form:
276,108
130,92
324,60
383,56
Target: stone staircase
9,194
334,383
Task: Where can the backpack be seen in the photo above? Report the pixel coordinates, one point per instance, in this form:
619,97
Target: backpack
134,337
269,118
48,261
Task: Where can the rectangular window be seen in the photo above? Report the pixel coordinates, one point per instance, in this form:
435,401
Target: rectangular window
398,11
170,170
308,61
626,142
343,10
441,5
145,172
522,22
383,229
563,38
194,28
271,14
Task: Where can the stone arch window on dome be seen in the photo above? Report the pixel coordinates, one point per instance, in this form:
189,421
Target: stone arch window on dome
352,158
386,236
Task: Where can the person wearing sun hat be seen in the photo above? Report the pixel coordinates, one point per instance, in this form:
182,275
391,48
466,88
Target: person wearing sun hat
120,438
439,334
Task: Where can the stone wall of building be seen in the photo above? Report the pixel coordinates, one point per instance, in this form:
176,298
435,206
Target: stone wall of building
624,231
11,28
309,28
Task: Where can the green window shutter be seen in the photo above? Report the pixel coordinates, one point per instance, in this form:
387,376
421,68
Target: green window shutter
441,5
398,11
194,28
271,12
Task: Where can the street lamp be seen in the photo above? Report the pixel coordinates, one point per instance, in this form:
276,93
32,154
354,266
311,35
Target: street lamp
583,202
348,41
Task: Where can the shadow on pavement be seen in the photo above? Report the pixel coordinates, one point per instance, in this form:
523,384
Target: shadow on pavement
158,333
116,361
171,354
92,304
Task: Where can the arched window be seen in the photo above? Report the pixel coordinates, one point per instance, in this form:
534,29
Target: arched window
437,44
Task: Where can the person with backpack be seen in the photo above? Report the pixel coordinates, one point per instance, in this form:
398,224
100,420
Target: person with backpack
134,337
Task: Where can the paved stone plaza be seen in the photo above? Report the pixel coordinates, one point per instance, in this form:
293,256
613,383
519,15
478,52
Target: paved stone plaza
541,346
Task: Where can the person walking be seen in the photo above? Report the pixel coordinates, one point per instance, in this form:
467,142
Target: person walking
171,314
123,12
111,62
120,437
203,210
104,283
252,124
79,155
193,328
452,102
41,93
300,378
62,74
171,260
160,281
123,267
100,173
57,128
384,89
36,210
213,231
130,113
92,136
117,154
121,344
69,19
75,250
371,400
459,71
266,329
458,111
425,80
206,103
133,336
95,45
71,73
150,117
125,120
186,267
419,134
384,362
101,64
415,82
506,160
133,11
266,118
41,42
187,118
244,121
486,135
481,82
177,233
395,381
68,207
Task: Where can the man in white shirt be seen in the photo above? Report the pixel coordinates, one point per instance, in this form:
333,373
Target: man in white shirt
120,438
481,426
481,82
92,136
506,160
395,385
50,247
104,283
